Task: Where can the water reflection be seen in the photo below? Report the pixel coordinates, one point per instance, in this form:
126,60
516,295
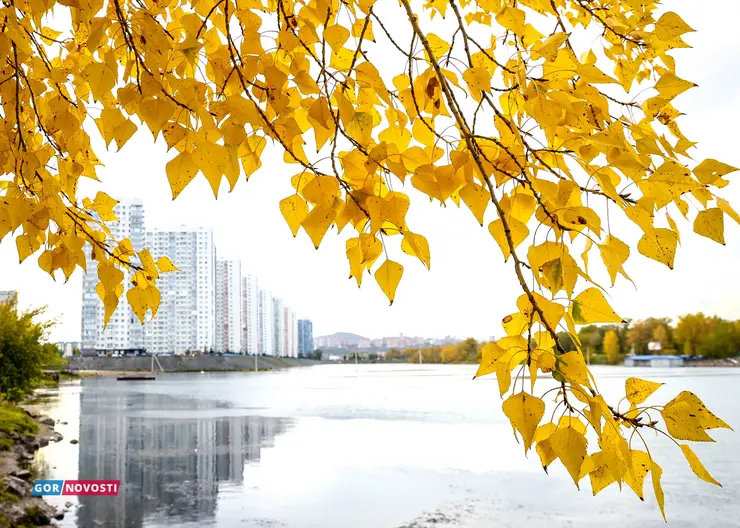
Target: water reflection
170,469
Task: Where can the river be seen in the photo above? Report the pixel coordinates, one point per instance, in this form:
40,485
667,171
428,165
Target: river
368,446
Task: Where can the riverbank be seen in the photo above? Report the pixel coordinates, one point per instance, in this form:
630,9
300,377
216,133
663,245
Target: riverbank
23,431
205,363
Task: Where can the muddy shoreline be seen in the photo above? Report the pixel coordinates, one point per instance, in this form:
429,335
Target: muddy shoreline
17,506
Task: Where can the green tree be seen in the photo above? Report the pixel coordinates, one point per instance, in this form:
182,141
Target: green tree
611,347
23,353
640,333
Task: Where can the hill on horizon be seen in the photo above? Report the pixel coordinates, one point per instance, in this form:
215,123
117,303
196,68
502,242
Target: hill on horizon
343,335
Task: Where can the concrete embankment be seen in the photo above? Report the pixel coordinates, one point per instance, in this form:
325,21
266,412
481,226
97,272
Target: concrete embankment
185,363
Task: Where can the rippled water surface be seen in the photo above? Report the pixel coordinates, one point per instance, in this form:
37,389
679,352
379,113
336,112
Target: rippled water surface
345,446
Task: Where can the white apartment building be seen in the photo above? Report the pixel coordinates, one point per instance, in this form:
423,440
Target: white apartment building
229,316
278,328
265,323
291,322
250,316
186,319
124,331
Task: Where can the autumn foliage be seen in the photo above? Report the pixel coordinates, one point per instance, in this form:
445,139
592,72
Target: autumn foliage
545,118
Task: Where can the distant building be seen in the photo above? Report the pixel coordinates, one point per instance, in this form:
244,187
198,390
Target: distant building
229,316
653,361
305,337
8,296
250,315
278,328
186,319
68,347
265,323
291,333
124,331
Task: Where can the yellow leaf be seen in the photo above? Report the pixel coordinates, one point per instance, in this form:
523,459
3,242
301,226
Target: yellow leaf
110,300
213,161
682,423
388,276
696,465
519,232
724,205
438,45
23,244
655,473
638,470
370,248
354,255
600,478
488,357
515,324
164,264
590,307
317,223
573,367
710,170
336,36
476,197
614,253
506,363
477,78
544,449
524,412
103,205
572,421
670,26
551,311
668,183
417,246
638,390
180,171
45,262
710,223
140,300
659,245
570,447
669,85
706,418
513,19
294,211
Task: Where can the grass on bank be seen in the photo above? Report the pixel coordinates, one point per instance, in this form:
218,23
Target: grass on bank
14,419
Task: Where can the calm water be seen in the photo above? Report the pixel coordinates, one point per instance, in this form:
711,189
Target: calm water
386,446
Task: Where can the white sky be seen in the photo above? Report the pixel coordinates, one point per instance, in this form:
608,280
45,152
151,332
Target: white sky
469,289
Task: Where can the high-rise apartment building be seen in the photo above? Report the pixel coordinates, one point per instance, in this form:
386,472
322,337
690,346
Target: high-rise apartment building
265,323
186,319
124,331
229,316
305,337
291,333
250,315
278,328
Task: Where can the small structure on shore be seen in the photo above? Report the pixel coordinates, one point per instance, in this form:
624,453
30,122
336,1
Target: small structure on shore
653,361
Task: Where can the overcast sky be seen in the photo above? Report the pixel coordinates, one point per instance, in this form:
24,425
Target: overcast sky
469,289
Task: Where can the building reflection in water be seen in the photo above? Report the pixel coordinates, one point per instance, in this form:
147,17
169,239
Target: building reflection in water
170,468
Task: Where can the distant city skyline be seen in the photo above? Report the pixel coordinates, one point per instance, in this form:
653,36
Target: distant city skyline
207,305
349,340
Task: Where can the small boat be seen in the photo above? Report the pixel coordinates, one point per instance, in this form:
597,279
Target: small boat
136,378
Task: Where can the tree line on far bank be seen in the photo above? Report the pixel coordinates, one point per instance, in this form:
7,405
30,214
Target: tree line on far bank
692,335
